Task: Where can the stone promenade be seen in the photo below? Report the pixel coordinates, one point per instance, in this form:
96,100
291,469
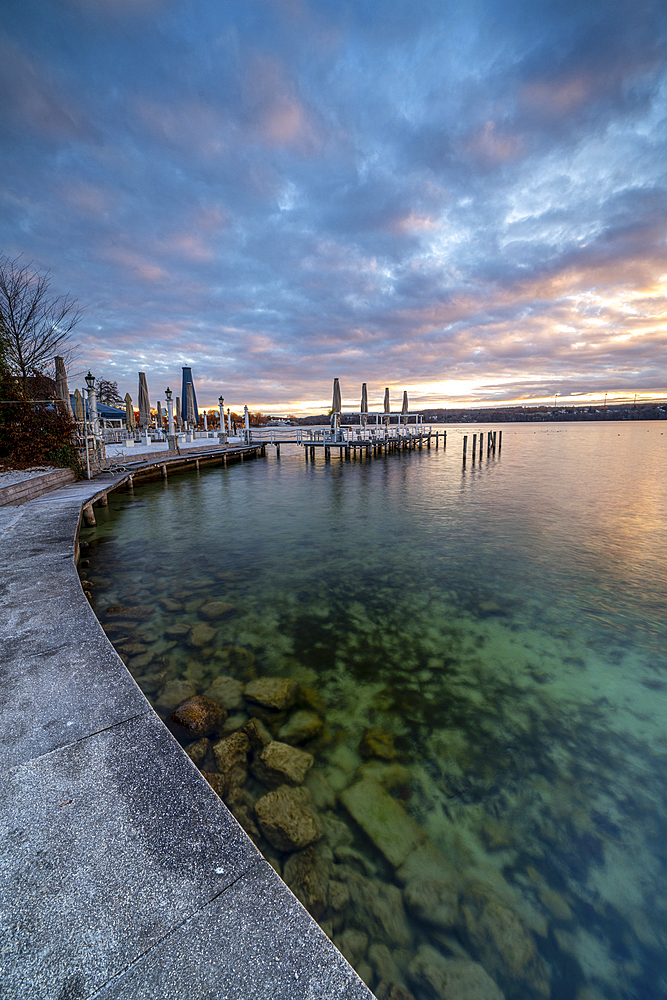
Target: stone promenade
122,875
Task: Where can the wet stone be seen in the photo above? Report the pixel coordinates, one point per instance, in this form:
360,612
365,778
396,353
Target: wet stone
201,635
277,693
228,692
215,609
278,763
234,722
383,819
140,662
169,604
197,751
217,783
353,943
433,901
286,820
178,629
377,907
257,733
307,874
377,742
200,715
173,693
504,944
231,755
134,648
301,727
451,979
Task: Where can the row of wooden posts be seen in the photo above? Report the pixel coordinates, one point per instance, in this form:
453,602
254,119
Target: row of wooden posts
493,439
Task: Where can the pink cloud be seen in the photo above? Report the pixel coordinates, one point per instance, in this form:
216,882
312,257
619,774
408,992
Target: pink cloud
488,143
138,265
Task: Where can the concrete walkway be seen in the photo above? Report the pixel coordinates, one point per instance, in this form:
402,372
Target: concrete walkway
122,875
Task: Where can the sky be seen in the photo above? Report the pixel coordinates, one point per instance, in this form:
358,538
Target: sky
467,200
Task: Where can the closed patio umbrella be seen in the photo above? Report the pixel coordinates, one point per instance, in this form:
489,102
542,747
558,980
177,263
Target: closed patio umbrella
191,406
404,409
179,415
129,412
159,415
62,391
78,406
364,404
144,403
336,405
386,406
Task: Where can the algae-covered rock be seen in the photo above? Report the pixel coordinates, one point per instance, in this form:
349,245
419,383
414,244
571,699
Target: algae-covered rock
286,820
215,609
231,755
320,789
177,630
173,693
383,819
376,906
228,692
353,944
300,727
389,775
307,874
278,763
234,722
217,783
503,944
200,715
434,902
277,693
197,751
201,635
443,978
257,733
386,968
377,742
240,805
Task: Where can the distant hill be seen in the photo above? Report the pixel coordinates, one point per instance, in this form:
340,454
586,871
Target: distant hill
519,414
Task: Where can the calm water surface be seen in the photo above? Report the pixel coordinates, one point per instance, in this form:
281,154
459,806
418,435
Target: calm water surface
505,624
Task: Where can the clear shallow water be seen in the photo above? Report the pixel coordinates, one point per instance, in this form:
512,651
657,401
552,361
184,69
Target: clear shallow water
505,623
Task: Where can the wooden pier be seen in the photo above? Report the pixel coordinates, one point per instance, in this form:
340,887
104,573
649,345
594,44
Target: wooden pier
351,441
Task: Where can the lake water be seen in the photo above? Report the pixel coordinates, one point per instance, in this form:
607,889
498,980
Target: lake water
502,626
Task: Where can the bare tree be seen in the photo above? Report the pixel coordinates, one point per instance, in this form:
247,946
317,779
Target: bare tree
107,392
34,325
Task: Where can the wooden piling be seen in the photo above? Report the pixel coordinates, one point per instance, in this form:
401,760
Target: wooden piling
444,439
278,450
196,463
89,516
474,446
500,441
481,446
103,500
465,447
164,471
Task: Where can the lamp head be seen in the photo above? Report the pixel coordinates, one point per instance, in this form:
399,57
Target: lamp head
168,394
90,381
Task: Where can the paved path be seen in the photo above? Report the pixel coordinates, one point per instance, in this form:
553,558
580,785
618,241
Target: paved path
122,875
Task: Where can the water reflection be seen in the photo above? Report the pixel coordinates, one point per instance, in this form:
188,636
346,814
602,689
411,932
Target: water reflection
485,650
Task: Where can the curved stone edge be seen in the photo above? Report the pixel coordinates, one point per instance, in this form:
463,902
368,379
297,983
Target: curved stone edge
121,872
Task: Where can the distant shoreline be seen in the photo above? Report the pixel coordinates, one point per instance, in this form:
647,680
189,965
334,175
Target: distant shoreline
518,414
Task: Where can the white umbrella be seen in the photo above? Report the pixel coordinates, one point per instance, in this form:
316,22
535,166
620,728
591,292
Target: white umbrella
78,405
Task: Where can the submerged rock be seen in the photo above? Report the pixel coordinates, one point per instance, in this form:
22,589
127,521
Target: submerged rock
353,944
504,944
228,692
257,733
433,901
286,820
307,874
388,775
231,755
377,907
377,742
277,693
200,715
278,763
215,609
197,751
451,978
300,727
173,693
201,635
383,819
178,629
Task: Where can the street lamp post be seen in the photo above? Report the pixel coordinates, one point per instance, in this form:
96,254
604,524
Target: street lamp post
92,404
170,412
221,406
